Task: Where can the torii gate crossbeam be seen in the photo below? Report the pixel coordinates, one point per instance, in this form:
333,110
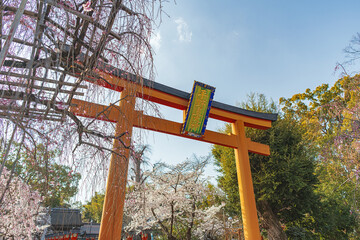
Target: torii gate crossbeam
126,117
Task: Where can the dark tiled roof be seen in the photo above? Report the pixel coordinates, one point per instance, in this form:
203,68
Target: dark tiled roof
89,228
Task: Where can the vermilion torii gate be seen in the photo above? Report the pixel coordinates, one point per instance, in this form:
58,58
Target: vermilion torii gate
126,117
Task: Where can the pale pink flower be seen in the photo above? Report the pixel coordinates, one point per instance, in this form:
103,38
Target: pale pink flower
87,7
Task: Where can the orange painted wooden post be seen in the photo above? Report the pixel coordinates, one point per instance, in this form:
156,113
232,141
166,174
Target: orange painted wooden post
246,189
111,221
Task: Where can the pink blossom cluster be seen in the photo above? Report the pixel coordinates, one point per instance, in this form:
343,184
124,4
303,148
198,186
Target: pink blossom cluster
19,208
173,196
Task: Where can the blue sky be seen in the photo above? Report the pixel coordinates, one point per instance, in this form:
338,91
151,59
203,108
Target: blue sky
278,48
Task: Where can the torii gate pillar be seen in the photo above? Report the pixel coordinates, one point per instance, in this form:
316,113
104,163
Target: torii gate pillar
246,189
112,216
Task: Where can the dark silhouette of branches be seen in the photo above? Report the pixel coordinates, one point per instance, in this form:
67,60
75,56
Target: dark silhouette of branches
53,58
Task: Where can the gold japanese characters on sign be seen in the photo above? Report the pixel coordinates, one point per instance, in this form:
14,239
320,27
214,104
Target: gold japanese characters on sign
198,110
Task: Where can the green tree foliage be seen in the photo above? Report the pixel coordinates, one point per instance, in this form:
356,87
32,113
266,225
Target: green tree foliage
225,160
284,182
92,210
56,183
213,196
331,120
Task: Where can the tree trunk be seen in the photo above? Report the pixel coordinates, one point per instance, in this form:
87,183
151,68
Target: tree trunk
138,170
271,222
193,208
171,237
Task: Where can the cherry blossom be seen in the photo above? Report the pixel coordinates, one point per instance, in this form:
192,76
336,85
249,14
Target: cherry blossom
172,199
87,7
19,208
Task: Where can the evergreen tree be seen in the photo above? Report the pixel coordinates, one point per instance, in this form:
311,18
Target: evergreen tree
92,210
284,182
39,169
330,117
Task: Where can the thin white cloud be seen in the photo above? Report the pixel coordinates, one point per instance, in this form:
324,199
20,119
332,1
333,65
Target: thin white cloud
183,30
155,41
236,33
